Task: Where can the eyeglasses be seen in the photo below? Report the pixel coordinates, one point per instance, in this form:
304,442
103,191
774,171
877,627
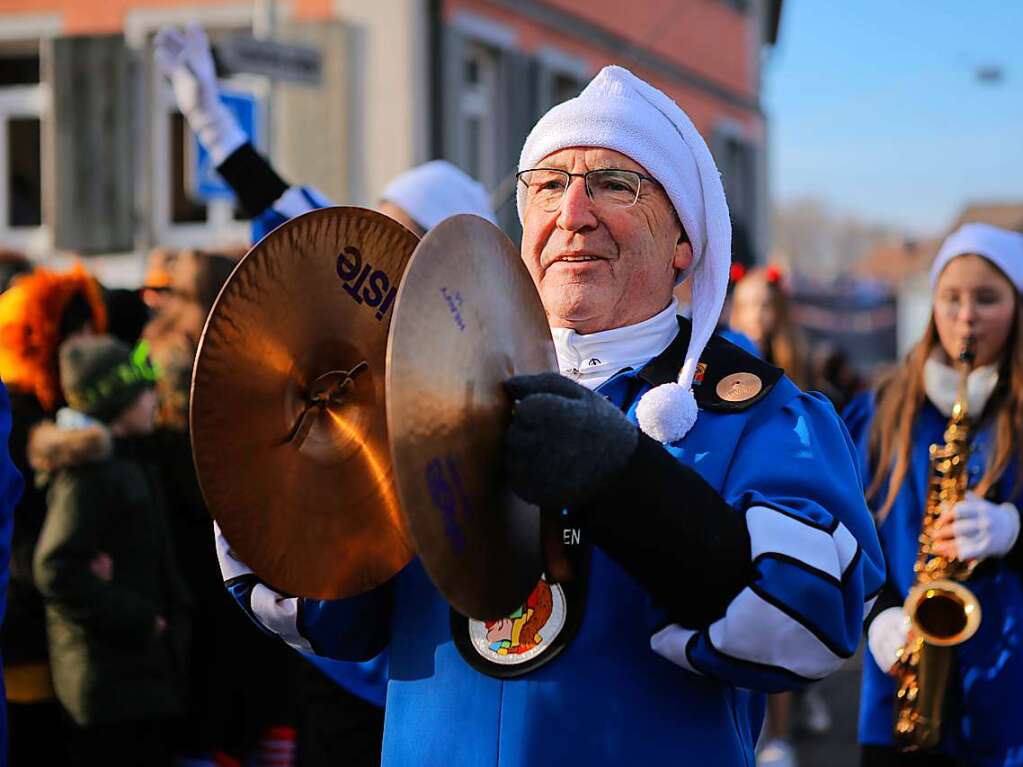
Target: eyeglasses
607,187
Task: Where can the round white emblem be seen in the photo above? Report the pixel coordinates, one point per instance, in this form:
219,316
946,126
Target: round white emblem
525,634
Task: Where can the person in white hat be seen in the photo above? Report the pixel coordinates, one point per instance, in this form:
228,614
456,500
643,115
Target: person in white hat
419,198
726,550
976,280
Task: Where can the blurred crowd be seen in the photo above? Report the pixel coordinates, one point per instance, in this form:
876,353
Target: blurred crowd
118,628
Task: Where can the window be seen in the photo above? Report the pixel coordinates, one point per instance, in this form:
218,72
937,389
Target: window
565,87
476,113
737,160
561,77
24,179
19,69
184,207
21,183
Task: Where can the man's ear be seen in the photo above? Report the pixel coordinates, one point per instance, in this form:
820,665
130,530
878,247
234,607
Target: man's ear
683,257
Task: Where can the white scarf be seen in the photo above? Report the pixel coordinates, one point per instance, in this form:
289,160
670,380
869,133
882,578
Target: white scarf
593,358
941,383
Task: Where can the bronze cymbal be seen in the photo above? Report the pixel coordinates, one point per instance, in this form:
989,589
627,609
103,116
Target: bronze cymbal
466,318
289,431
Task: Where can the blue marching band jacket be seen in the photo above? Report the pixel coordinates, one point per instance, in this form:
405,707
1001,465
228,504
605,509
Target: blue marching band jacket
643,675
982,698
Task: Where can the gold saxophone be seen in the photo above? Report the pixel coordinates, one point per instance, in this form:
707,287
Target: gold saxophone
942,611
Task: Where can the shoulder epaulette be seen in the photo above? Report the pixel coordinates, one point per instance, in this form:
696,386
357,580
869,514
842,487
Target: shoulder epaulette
728,378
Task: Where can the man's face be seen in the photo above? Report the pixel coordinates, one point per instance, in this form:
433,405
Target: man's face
600,267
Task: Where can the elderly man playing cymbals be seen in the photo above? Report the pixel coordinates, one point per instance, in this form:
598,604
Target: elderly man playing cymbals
726,550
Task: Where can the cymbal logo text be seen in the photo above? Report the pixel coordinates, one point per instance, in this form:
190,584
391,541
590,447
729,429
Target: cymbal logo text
445,485
364,283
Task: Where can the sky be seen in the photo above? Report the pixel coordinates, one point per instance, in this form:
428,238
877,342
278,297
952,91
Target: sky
874,108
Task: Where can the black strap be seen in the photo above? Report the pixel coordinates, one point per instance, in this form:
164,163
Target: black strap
675,534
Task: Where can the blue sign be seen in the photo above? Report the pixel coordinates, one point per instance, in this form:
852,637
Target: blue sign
207,183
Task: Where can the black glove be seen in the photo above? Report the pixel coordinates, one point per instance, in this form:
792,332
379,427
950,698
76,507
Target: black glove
565,443
568,447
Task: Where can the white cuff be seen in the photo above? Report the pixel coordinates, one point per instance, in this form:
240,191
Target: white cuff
230,566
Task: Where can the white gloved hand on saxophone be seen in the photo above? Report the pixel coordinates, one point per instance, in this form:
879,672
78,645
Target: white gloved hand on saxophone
976,529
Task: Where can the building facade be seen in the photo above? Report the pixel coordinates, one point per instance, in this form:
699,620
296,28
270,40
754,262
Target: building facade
95,159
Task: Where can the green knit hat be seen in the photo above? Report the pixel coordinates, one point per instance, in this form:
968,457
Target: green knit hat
101,376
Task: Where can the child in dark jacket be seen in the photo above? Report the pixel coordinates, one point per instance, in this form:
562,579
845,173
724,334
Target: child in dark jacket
104,564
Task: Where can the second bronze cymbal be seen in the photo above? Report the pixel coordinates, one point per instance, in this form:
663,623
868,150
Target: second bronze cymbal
466,318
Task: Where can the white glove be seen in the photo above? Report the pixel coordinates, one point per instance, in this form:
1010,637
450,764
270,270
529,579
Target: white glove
230,565
186,60
887,635
984,529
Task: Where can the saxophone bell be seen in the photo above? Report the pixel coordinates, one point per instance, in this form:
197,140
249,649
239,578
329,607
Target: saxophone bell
943,612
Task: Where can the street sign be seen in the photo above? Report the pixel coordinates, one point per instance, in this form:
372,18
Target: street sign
206,182
278,61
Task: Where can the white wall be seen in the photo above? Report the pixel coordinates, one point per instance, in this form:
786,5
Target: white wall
391,91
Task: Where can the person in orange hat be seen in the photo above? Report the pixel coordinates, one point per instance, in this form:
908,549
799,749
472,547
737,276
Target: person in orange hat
38,312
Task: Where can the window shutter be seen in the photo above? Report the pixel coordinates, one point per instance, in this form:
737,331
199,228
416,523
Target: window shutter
92,137
517,86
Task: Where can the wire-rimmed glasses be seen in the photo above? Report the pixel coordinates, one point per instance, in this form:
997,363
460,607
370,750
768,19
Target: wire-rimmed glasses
607,187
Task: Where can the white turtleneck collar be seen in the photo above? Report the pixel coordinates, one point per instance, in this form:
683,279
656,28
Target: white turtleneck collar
941,383
593,358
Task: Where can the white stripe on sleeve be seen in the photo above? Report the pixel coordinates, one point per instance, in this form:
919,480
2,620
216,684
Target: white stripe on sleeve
670,643
847,546
868,607
755,630
294,201
772,532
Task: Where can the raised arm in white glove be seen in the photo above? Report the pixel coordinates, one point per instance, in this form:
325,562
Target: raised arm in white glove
887,635
976,528
186,60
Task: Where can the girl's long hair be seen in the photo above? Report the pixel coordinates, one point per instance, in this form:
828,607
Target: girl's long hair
901,395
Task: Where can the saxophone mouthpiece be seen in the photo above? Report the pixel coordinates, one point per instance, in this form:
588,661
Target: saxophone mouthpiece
968,354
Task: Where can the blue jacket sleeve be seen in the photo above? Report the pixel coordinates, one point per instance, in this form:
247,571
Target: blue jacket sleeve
858,415
263,195
816,561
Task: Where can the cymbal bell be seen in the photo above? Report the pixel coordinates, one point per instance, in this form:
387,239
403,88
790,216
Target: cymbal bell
467,317
288,425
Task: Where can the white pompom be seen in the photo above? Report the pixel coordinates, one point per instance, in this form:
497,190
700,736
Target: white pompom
667,412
